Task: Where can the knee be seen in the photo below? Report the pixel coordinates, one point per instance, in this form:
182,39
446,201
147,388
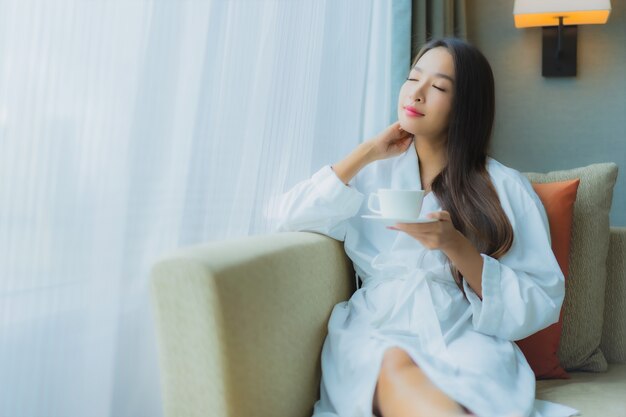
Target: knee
395,360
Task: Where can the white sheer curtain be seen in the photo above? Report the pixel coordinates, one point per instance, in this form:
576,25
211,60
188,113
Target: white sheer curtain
129,128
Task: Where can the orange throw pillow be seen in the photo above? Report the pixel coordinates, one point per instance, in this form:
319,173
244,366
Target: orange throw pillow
540,349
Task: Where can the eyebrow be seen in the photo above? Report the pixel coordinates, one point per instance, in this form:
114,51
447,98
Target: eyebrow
438,74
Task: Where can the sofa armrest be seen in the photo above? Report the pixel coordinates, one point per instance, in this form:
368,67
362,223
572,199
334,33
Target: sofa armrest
240,323
613,343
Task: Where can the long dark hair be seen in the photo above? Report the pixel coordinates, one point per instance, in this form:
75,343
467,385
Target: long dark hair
464,187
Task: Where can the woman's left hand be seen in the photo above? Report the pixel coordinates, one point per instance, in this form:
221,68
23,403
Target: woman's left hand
436,235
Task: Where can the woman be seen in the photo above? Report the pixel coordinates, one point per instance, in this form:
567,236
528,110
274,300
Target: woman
430,332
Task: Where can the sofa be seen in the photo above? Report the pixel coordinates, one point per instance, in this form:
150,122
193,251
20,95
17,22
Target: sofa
240,323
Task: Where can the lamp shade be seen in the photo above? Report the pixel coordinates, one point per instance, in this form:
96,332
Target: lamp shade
529,13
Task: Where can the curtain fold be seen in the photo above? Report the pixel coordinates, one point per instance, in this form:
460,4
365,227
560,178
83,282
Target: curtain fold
388,64
437,18
130,128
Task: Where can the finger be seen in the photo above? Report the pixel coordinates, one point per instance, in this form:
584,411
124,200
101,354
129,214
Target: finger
401,135
414,227
401,226
439,215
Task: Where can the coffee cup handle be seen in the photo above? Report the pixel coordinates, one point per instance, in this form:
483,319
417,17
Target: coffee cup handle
370,203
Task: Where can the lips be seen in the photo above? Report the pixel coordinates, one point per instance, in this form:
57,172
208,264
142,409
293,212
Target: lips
412,111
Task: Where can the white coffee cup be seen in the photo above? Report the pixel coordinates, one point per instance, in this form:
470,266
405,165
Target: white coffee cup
404,204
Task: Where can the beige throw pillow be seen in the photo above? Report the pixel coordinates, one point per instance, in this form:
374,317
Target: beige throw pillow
583,307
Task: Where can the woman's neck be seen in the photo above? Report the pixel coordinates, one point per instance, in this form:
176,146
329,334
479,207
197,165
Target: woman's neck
432,158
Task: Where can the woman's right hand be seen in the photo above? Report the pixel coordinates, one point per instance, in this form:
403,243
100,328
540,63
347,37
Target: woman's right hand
390,142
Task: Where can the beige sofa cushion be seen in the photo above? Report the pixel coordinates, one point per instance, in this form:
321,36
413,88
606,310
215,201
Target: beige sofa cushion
613,343
593,394
583,307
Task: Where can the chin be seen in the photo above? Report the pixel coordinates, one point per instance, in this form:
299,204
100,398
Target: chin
407,126
409,130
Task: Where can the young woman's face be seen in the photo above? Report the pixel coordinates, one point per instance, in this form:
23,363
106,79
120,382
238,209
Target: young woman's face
429,90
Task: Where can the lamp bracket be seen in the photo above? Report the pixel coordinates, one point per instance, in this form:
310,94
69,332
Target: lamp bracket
559,50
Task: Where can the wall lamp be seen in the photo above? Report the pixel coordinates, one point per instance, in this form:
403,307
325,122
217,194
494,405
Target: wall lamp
559,20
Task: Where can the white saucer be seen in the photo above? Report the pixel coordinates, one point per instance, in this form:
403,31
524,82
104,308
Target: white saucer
390,221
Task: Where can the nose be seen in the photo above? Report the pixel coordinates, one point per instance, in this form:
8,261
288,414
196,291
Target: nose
418,94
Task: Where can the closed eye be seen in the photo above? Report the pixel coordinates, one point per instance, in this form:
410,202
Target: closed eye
438,88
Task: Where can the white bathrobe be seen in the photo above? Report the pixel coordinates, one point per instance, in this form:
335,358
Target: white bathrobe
408,297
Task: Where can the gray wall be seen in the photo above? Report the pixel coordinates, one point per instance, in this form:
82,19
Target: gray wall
547,124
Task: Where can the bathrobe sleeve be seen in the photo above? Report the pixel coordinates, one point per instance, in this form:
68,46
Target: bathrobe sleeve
322,204
523,291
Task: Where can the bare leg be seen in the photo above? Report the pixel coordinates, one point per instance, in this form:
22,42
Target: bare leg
403,390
